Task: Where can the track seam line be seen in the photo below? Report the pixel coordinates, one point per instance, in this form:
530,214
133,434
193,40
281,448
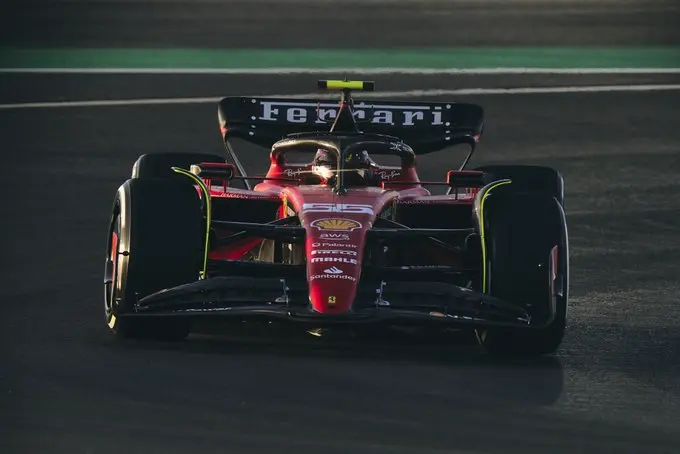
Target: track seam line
375,95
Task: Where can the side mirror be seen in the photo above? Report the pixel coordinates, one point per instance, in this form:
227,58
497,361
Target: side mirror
214,171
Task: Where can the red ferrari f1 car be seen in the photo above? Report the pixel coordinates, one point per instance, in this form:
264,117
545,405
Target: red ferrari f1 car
337,239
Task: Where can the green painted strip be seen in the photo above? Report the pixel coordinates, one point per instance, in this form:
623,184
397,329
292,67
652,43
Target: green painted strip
549,57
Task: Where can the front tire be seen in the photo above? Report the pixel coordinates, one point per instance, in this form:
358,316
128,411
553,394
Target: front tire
154,242
533,179
527,263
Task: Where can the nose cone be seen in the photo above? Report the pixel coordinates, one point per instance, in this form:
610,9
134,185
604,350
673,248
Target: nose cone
334,250
335,238
332,288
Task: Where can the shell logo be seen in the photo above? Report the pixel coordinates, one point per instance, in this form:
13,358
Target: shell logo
336,224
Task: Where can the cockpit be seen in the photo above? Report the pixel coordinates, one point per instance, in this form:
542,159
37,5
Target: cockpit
341,161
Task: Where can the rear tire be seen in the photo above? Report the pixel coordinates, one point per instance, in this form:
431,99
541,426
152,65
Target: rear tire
158,165
522,231
155,241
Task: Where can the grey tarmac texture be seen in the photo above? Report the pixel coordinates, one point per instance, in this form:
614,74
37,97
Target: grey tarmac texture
332,24
613,387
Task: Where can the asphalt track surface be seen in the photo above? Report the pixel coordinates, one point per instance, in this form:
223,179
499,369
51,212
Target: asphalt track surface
69,387
338,24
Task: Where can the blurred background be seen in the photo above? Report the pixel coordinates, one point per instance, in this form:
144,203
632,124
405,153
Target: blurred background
351,24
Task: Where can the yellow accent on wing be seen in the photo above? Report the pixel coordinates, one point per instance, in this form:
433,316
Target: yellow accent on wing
481,229
208,216
339,85
112,321
347,84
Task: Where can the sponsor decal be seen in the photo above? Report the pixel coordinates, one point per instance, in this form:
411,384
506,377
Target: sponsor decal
334,236
233,193
399,146
331,301
322,112
333,251
336,224
334,259
343,277
333,270
333,273
423,202
348,208
451,199
293,173
334,245
388,174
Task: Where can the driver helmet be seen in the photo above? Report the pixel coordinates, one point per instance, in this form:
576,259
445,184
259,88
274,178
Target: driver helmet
324,157
358,160
355,160
360,167
324,163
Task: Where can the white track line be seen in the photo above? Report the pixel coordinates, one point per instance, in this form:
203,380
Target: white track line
384,94
357,71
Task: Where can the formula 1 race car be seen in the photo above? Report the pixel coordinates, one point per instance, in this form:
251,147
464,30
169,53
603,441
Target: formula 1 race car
337,239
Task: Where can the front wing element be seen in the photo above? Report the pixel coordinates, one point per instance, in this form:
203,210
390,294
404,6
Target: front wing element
387,302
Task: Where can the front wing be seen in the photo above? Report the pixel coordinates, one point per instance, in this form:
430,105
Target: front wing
417,295
387,302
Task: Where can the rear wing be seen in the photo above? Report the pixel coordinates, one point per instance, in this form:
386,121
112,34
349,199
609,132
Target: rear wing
426,127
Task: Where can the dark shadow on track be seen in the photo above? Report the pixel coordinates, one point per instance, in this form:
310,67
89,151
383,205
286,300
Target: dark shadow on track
532,381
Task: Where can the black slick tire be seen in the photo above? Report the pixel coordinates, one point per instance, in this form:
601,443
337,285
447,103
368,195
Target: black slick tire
533,179
155,241
527,263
